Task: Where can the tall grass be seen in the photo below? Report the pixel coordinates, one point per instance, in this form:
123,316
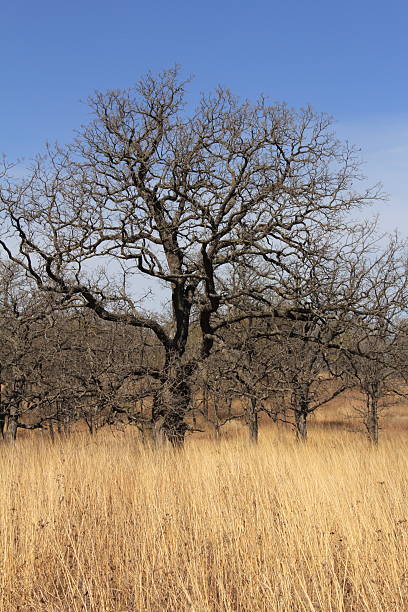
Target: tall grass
107,525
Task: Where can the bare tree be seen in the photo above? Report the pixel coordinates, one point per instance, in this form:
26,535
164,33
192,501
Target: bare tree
307,372
148,192
352,290
377,381
25,317
374,352
378,370
241,374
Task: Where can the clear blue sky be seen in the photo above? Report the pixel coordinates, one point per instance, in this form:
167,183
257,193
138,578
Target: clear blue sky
348,58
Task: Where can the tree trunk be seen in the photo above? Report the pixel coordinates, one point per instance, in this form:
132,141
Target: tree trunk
206,409
91,424
51,431
169,426
2,423
372,423
12,426
170,408
67,426
253,422
301,425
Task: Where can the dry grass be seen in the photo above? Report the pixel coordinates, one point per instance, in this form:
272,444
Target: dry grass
107,525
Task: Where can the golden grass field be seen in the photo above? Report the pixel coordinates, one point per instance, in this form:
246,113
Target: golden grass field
105,524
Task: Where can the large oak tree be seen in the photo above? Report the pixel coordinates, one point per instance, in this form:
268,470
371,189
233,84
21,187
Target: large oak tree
147,189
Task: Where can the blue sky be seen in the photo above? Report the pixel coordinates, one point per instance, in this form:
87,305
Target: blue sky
349,59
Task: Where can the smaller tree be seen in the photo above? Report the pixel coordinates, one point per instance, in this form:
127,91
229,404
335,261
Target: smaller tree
25,353
243,369
375,348
378,375
308,370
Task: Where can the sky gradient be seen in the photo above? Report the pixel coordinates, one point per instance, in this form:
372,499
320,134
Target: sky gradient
349,59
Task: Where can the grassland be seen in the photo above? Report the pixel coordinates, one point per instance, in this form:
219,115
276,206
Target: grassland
106,525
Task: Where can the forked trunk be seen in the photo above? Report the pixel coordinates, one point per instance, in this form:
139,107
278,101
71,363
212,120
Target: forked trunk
91,425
